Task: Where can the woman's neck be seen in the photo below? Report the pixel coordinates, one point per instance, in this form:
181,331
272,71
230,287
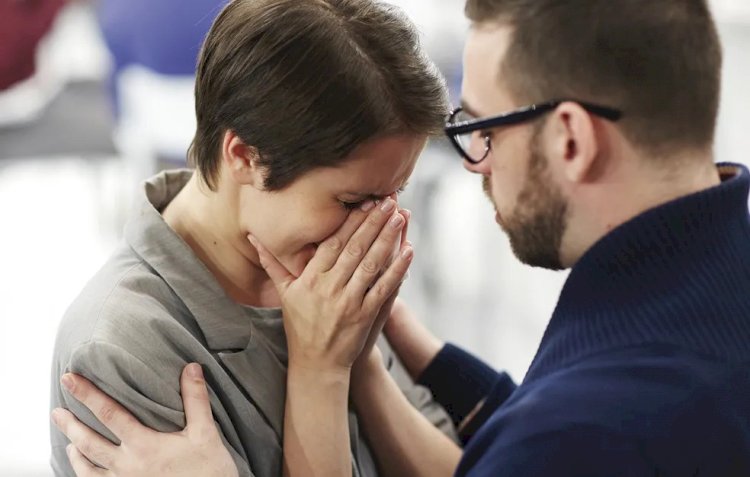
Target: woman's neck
205,221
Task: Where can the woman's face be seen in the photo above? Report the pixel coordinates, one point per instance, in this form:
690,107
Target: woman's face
291,222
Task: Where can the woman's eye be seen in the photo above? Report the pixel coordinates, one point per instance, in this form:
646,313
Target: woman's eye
351,205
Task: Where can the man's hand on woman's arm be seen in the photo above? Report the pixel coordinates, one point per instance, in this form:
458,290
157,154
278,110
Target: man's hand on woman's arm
196,451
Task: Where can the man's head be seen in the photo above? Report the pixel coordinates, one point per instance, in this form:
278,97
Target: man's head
655,62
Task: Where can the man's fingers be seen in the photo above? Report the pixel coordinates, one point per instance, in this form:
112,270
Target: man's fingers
330,249
95,447
198,416
82,466
276,271
109,412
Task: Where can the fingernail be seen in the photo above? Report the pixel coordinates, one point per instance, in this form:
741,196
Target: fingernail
396,221
408,253
367,206
195,371
69,449
68,382
388,205
56,416
252,240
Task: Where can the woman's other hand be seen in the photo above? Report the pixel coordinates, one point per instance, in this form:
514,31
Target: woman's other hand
195,451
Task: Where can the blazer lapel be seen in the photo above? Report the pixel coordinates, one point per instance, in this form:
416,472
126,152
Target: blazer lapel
262,377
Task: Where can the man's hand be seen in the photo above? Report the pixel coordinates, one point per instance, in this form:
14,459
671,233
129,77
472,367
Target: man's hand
196,451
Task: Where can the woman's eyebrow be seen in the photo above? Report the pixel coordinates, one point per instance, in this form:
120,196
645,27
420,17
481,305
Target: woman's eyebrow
370,195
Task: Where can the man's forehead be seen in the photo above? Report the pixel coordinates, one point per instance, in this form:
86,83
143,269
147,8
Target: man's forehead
482,92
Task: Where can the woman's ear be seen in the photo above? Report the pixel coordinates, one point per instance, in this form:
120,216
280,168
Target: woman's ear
241,161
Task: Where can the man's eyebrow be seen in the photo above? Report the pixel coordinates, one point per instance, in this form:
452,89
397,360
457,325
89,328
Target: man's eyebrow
466,107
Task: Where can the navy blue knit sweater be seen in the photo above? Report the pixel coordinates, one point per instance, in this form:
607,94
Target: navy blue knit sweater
644,369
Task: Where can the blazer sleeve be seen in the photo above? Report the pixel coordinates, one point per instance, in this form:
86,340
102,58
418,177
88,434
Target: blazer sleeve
154,401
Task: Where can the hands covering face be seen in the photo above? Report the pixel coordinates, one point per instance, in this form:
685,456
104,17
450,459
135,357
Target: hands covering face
332,312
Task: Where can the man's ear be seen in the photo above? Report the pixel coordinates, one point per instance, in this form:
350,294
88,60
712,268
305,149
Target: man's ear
241,161
574,141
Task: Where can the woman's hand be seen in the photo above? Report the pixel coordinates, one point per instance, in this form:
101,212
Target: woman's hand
331,313
333,309
195,451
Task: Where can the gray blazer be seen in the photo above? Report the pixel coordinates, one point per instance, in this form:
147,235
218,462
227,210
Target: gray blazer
152,308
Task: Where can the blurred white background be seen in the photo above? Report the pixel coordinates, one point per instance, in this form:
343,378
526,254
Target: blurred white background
68,171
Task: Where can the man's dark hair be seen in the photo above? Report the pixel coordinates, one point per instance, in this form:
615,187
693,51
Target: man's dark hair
659,61
306,81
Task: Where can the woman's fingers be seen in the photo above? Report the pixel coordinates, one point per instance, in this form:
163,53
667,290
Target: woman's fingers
198,416
330,249
82,466
404,232
378,257
276,271
95,447
109,412
359,244
389,281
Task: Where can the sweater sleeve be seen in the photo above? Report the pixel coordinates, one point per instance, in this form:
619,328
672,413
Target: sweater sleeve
459,381
583,451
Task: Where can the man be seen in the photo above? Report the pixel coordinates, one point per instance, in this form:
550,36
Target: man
604,164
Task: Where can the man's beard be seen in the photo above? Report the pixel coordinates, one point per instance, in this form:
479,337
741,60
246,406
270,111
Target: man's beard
536,226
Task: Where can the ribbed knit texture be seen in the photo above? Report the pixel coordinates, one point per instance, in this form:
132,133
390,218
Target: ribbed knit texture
677,274
458,381
644,368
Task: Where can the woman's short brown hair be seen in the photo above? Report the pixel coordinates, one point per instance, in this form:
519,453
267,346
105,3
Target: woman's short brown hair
306,81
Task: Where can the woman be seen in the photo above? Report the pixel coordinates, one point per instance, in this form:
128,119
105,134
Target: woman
308,112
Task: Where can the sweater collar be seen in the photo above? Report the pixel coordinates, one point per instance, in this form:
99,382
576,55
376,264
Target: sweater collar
676,274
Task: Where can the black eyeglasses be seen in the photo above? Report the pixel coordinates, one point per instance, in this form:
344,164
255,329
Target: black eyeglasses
462,128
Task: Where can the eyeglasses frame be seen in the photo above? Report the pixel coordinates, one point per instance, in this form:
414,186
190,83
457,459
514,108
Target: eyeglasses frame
517,116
